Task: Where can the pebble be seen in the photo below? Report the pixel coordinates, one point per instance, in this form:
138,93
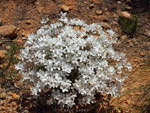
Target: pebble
103,18
3,95
125,14
128,8
119,2
28,22
98,12
142,53
8,47
105,25
91,6
123,37
8,31
2,53
65,8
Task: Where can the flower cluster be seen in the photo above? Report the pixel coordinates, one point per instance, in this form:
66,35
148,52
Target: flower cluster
71,58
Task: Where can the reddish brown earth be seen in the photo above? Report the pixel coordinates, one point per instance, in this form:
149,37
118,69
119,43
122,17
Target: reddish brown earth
26,15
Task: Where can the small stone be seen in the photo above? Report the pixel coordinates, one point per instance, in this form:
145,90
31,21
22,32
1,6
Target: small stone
91,6
8,47
123,37
28,22
98,12
103,18
126,14
2,53
128,8
142,53
65,8
105,25
24,38
15,96
3,95
119,2
8,31
115,23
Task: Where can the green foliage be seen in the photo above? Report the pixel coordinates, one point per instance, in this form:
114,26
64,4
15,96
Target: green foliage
128,25
124,7
7,65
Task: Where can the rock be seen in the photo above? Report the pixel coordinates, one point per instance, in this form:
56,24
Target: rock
65,8
24,38
8,47
0,22
103,18
15,96
28,22
119,2
105,25
91,6
115,23
143,54
2,53
98,12
126,14
8,31
3,95
128,8
123,37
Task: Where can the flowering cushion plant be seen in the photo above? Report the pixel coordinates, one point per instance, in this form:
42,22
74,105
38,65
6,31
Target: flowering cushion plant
71,58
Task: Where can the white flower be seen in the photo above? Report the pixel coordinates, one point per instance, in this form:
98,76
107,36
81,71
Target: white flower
70,62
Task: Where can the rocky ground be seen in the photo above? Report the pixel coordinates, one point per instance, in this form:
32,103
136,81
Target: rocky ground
18,18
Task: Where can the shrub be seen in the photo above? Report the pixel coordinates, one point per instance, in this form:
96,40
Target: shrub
73,61
128,25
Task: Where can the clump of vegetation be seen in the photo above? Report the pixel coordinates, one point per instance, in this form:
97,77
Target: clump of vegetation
128,25
7,69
